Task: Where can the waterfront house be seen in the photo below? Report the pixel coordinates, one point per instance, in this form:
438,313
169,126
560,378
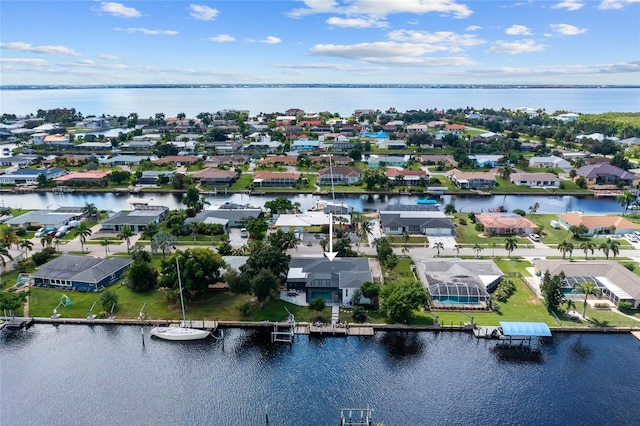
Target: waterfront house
505,224
279,160
90,178
140,145
80,273
550,162
152,177
424,222
378,161
301,222
334,281
138,219
472,180
455,282
598,224
229,215
126,160
535,180
29,176
616,282
607,176
340,175
17,160
276,179
177,160
215,177
407,177
45,218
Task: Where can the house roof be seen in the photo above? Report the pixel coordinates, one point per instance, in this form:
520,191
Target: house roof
276,175
308,219
505,220
138,217
90,175
222,213
80,268
459,175
45,217
342,272
466,271
592,171
597,221
36,172
215,173
341,170
177,159
392,172
279,159
421,218
544,176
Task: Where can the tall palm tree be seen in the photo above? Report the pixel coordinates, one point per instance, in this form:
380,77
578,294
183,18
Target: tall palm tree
438,246
588,288
163,241
82,231
27,245
510,244
405,239
477,249
105,243
8,236
505,172
610,246
4,253
625,199
457,248
565,247
90,210
586,247
125,234
534,208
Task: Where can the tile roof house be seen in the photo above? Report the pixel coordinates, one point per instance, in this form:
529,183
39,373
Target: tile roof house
407,177
430,159
275,160
607,176
90,178
177,160
138,219
340,175
276,179
230,215
216,177
472,180
504,223
81,273
615,281
535,180
454,128
430,222
598,224
335,281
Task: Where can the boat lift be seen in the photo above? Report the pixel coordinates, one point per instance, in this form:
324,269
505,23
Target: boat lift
284,332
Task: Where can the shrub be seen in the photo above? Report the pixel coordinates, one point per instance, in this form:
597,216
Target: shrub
629,266
505,289
244,309
601,305
462,221
317,304
520,212
359,314
624,306
21,232
479,227
42,257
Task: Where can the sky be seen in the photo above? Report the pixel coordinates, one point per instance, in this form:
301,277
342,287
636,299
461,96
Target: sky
83,42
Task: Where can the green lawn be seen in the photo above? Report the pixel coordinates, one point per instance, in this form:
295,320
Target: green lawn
599,318
469,236
243,182
552,236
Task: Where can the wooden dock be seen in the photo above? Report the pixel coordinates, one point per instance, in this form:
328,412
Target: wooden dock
18,323
339,330
637,334
486,332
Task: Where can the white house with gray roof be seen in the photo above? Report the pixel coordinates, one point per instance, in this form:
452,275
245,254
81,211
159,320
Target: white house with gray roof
138,219
433,223
235,216
45,218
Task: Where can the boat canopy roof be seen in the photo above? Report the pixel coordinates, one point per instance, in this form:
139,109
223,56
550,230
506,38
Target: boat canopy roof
525,329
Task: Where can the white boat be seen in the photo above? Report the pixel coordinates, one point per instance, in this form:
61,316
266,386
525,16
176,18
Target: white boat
179,333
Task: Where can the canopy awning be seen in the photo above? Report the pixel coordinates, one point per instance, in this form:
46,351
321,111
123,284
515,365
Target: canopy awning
525,329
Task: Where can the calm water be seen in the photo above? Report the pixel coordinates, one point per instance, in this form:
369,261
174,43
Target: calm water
147,102
102,374
117,202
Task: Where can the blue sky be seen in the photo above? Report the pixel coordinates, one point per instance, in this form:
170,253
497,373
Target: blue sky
320,41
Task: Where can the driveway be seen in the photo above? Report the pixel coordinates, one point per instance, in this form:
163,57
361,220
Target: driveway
447,242
235,239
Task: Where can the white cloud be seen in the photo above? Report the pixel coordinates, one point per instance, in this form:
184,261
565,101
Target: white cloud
86,62
356,22
146,31
518,30
330,66
26,61
515,47
446,39
381,8
118,9
570,5
567,29
203,13
270,40
221,38
108,57
616,4
471,28
48,50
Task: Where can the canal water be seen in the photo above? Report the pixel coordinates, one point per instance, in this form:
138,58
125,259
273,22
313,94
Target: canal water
72,375
465,203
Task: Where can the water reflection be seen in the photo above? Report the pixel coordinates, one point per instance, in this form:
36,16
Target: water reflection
518,353
402,345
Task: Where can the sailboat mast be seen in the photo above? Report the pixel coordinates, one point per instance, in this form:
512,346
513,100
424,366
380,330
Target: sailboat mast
184,317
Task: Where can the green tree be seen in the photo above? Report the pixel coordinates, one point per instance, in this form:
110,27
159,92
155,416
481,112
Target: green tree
586,247
318,304
610,246
279,205
194,202
150,230
90,211
450,208
238,283
383,249
283,240
108,300
477,249
265,256
199,267
405,242
163,241
510,244
587,288
625,199
263,285
27,245
42,180
125,234
505,172
565,247
225,248
578,230
142,277
119,176
551,289
11,302
371,291
104,242
401,298
83,232
257,228
438,246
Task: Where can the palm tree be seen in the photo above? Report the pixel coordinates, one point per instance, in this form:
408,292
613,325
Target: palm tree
82,231
534,208
586,247
405,239
510,244
610,246
90,210
27,245
457,249
4,253
438,246
625,199
105,243
8,236
505,172
587,288
126,234
477,249
565,247
163,241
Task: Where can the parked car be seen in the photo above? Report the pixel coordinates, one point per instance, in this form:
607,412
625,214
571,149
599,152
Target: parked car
534,237
39,233
45,231
244,233
62,231
631,237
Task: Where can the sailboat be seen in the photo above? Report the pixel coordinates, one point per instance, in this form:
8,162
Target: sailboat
182,333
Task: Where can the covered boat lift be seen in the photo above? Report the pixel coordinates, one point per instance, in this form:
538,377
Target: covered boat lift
523,331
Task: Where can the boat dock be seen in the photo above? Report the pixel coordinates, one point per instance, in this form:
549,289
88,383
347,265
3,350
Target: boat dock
486,332
637,334
322,329
17,323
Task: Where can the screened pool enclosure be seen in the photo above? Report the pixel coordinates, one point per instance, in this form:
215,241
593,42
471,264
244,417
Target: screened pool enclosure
457,293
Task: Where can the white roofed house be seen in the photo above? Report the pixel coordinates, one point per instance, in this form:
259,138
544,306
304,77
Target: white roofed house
550,162
535,180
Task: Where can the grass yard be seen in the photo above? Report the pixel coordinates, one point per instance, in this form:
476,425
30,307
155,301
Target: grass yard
599,318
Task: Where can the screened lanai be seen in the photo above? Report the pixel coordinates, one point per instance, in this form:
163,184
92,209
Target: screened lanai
448,293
